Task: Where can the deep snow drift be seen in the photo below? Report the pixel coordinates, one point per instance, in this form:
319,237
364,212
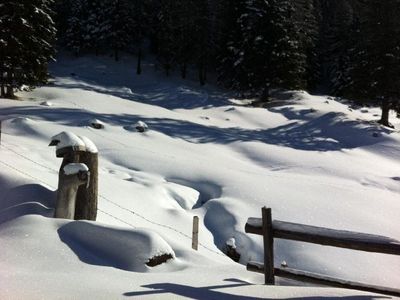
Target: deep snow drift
313,160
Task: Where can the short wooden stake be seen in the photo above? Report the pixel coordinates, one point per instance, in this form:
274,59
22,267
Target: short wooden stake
268,239
195,233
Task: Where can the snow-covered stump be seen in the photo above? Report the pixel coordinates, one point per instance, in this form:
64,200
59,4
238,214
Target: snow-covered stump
78,149
71,177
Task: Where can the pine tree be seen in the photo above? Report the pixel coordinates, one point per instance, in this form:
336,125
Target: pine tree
376,68
337,41
141,24
97,25
268,52
307,18
26,40
76,34
202,39
231,67
166,35
121,25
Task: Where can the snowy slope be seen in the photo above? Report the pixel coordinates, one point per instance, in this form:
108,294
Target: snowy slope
312,159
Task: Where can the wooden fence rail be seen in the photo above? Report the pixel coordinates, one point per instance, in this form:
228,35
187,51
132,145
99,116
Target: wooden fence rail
271,229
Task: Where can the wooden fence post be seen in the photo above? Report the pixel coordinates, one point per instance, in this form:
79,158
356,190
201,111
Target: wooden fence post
195,233
80,149
268,239
66,194
86,198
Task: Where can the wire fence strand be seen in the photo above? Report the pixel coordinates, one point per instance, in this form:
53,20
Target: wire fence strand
101,196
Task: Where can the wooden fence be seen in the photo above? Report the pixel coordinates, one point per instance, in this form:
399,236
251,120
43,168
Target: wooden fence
271,229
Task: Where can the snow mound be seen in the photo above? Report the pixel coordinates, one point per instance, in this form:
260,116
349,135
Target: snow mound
124,249
22,121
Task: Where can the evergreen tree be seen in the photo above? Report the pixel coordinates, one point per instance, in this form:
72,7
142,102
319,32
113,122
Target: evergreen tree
166,35
376,69
141,24
76,34
307,18
229,62
337,41
97,25
121,29
26,40
202,39
268,52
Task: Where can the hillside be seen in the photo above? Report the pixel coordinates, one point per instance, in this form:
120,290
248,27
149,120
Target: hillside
312,159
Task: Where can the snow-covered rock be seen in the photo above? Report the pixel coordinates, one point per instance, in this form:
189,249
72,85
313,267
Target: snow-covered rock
231,243
141,126
46,103
97,124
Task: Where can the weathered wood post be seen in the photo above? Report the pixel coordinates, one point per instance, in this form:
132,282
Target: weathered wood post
268,240
195,233
78,149
71,177
86,199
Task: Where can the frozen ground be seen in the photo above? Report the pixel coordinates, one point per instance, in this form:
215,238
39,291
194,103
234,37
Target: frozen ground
312,159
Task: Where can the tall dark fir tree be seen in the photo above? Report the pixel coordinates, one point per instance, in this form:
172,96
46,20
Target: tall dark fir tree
26,43
267,49
375,71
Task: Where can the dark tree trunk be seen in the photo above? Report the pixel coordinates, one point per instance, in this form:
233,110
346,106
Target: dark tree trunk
2,91
167,67
9,92
116,54
385,113
202,74
139,62
184,70
265,95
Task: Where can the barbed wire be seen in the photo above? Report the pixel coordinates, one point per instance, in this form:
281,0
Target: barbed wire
101,196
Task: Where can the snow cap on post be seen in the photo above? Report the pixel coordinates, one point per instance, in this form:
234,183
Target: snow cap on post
67,141
75,168
89,145
79,169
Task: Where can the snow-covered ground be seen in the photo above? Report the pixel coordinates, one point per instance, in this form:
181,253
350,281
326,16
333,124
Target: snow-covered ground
312,159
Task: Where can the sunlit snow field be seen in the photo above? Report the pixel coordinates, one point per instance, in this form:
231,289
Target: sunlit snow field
312,159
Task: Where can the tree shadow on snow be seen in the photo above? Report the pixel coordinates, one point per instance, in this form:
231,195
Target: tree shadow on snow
329,132
214,292
116,79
